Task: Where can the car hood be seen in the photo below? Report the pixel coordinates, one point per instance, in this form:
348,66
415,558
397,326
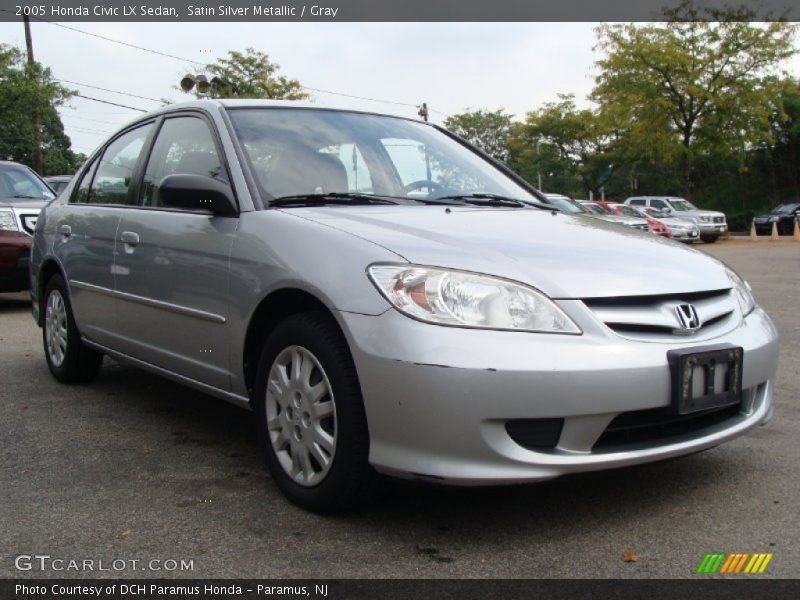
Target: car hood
22,203
699,213
565,256
680,222
626,220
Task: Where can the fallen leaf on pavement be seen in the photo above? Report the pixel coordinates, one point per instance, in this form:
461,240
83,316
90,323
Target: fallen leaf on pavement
629,555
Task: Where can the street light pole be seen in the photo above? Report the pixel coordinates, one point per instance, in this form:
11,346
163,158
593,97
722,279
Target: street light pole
538,167
37,118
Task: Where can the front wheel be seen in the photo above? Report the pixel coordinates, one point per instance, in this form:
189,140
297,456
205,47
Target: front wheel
69,360
709,239
311,420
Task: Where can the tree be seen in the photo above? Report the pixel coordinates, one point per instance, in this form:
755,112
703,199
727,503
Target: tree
250,74
23,87
569,149
690,87
488,130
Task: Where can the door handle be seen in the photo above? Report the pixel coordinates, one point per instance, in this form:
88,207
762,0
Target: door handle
65,230
129,237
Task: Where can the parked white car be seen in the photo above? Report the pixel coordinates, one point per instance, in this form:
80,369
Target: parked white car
712,223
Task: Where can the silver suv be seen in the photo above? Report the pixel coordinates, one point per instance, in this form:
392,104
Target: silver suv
388,299
712,223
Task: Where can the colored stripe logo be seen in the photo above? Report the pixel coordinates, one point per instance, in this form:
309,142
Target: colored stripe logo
735,563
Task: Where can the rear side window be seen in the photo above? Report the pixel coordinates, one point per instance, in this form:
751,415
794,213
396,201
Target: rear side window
81,193
638,202
184,146
116,168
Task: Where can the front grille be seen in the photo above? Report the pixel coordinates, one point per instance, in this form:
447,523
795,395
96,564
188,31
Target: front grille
659,425
655,317
535,434
719,219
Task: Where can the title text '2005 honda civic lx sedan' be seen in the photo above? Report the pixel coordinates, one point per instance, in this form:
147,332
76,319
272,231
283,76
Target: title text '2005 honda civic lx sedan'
389,300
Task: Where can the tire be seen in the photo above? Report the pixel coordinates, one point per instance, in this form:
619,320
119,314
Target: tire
308,352
709,239
69,360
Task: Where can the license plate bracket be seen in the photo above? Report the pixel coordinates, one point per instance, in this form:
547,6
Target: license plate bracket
705,377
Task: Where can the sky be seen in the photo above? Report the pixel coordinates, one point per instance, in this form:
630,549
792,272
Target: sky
451,66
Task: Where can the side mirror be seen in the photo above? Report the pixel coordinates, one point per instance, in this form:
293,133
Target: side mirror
198,192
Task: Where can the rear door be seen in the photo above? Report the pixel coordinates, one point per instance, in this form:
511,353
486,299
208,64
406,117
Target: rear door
86,229
172,264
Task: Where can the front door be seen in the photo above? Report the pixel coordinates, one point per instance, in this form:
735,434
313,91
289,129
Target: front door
172,265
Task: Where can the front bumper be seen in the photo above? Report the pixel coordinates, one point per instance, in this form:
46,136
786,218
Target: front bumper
14,265
712,228
685,235
438,398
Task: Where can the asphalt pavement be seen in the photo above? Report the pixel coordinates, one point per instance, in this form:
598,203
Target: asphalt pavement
135,468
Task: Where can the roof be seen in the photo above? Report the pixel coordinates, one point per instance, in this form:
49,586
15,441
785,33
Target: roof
258,103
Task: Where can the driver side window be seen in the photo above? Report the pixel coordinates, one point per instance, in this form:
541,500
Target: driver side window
184,146
659,204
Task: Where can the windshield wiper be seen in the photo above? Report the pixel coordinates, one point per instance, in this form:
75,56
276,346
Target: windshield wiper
345,198
487,199
27,197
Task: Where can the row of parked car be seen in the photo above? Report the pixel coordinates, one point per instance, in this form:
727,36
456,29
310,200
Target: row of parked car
664,216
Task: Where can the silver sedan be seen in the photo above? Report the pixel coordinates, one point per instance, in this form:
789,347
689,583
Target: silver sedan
387,299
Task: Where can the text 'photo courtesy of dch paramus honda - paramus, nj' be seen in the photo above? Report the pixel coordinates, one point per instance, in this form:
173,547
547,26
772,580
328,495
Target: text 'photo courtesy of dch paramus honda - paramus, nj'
390,301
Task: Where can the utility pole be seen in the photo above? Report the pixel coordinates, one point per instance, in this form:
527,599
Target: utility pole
37,118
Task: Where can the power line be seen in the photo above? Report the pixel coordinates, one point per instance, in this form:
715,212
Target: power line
86,130
359,97
71,116
107,102
94,87
121,43
189,60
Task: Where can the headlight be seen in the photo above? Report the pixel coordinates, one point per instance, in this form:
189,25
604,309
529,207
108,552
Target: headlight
705,219
8,222
773,219
461,299
743,294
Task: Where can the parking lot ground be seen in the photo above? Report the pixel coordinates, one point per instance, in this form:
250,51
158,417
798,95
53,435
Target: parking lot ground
133,467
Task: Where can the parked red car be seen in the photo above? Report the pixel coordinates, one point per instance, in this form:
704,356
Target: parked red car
15,251
656,226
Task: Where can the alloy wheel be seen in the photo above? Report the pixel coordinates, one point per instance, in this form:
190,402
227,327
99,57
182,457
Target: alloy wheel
55,328
301,416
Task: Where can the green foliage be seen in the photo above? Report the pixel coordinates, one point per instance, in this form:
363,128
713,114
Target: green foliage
690,88
250,74
569,149
486,129
23,88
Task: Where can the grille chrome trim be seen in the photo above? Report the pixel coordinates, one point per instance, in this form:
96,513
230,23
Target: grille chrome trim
655,317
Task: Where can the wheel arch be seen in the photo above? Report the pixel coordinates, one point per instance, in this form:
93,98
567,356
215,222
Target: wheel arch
47,270
274,308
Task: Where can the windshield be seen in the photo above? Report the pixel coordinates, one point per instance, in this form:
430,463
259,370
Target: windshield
627,211
20,182
783,209
681,205
658,214
595,209
304,151
565,205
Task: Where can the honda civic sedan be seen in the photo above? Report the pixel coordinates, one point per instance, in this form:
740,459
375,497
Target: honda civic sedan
389,300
